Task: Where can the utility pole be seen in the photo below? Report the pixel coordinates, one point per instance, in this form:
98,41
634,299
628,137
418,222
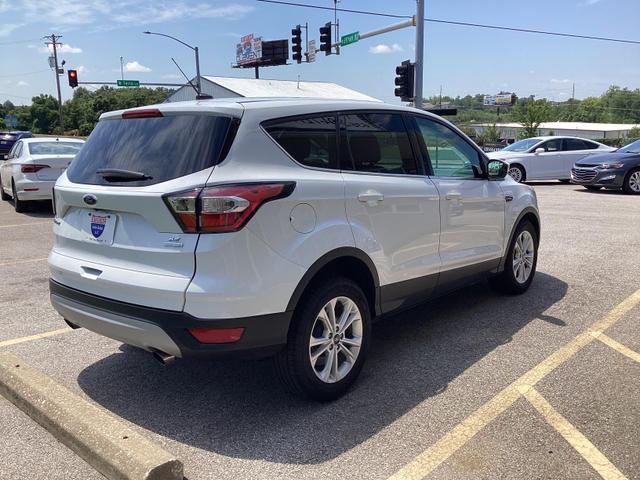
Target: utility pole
121,69
53,40
419,53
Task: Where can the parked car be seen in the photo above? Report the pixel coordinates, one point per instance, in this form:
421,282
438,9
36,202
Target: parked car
33,166
615,170
256,227
546,158
8,139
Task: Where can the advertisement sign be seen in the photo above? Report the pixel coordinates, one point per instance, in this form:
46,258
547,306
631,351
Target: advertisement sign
500,100
249,49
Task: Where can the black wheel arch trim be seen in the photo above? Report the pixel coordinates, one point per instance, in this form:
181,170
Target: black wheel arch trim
525,211
324,260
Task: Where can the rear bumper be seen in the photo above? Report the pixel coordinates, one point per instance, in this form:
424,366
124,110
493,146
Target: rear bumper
164,330
34,189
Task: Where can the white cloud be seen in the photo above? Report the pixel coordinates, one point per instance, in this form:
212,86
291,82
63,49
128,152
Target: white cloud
557,80
82,70
64,48
136,66
22,83
383,49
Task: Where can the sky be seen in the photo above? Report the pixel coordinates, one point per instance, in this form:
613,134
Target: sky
461,60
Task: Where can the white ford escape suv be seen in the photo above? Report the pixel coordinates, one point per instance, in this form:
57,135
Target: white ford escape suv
279,227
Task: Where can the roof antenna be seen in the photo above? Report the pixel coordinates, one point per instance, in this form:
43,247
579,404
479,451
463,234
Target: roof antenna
298,81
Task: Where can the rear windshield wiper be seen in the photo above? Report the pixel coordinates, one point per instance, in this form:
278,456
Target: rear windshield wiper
116,174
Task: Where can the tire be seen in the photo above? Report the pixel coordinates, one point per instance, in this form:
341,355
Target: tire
517,172
3,195
294,364
564,180
20,206
593,188
509,281
631,184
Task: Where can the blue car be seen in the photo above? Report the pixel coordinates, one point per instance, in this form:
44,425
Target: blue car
615,170
7,139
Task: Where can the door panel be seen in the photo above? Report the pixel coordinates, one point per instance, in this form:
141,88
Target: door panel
548,164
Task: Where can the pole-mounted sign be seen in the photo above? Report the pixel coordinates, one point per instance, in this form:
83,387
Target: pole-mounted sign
349,38
128,83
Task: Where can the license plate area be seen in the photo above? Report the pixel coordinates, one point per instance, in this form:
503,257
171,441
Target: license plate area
98,226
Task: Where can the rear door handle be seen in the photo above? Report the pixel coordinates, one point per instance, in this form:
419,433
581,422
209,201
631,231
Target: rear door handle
453,195
371,197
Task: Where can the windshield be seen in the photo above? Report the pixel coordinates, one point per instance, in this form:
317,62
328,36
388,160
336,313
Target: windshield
633,147
159,148
522,145
54,148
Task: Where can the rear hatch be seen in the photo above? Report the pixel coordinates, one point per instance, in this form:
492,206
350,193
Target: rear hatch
116,235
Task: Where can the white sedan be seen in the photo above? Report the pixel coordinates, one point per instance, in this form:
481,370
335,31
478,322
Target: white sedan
546,158
32,167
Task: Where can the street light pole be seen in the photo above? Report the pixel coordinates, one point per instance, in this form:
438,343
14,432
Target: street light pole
417,102
200,95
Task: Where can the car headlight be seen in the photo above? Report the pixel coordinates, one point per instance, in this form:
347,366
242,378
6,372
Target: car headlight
609,166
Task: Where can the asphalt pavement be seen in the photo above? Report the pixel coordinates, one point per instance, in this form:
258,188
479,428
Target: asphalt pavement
431,373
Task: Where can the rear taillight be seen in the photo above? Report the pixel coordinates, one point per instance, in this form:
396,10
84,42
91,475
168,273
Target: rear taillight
32,168
225,208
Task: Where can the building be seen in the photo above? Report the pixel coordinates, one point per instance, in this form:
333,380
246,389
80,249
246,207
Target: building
577,129
229,87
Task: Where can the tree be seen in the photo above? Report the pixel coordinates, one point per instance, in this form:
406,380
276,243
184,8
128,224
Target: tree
44,114
633,134
8,105
531,113
491,134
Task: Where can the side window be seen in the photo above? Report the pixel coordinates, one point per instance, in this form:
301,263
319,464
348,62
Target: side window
18,150
591,145
575,144
450,154
554,145
377,143
312,141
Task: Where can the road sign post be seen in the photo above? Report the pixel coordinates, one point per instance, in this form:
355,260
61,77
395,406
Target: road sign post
349,38
128,83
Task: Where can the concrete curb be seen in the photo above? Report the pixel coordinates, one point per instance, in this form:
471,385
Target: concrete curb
107,444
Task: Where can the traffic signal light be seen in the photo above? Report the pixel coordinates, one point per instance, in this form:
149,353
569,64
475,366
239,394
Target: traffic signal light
325,38
404,81
73,78
296,43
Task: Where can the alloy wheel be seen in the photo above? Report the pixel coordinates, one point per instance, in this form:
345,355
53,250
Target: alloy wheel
634,181
336,339
523,256
516,174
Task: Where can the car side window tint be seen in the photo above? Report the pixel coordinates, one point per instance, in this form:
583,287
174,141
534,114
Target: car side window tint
591,145
554,145
450,154
575,144
377,143
311,141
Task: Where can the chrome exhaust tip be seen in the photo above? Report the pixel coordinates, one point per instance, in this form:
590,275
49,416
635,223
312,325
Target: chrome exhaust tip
163,358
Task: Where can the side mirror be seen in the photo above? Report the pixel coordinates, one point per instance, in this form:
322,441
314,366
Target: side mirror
539,150
497,170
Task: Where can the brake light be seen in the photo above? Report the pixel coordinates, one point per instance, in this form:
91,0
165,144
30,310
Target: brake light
225,208
32,168
144,113
217,335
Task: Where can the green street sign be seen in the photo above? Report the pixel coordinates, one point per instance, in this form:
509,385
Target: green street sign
350,38
128,83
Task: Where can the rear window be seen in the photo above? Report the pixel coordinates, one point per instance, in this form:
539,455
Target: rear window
54,148
162,148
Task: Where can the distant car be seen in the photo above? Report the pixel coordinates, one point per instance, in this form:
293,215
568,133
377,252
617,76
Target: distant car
33,166
8,140
614,170
546,158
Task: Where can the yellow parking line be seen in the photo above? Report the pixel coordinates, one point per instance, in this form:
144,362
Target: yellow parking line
24,224
30,338
577,440
452,441
18,262
618,346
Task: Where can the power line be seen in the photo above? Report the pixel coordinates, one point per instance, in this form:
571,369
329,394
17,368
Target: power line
23,74
453,22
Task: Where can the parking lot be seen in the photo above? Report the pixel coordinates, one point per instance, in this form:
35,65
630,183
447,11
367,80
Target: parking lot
473,385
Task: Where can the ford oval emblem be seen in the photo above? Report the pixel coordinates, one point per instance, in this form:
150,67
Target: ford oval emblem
90,199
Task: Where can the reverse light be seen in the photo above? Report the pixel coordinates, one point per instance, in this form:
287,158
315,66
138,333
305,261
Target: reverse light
224,208
217,335
32,168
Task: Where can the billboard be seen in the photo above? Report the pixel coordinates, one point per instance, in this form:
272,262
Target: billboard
249,50
500,100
